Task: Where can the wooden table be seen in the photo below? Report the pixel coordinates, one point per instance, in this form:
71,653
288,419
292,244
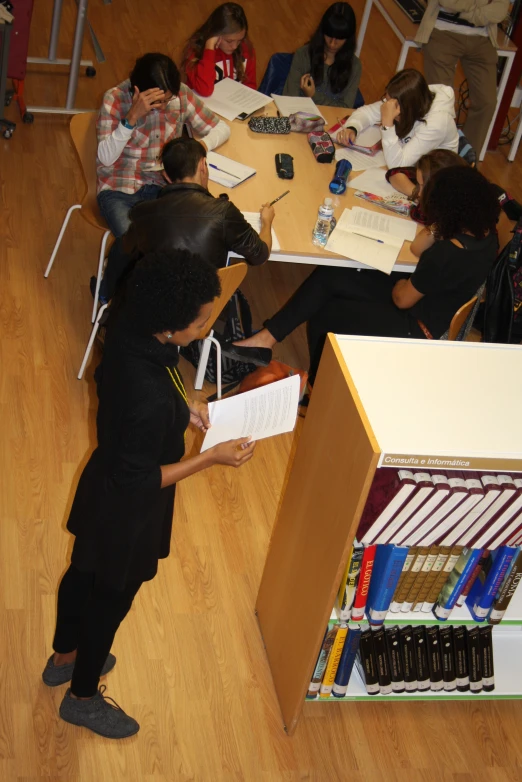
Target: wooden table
297,212
406,31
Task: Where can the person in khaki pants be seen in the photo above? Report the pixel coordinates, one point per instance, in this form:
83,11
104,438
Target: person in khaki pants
465,30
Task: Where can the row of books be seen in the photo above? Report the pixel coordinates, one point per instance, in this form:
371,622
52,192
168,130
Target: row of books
405,659
429,542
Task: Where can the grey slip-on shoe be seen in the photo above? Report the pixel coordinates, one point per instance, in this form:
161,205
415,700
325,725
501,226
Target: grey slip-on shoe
100,714
54,675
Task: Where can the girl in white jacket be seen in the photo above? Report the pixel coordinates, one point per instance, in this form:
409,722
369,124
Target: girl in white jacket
414,119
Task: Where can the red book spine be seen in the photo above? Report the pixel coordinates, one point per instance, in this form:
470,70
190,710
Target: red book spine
471,580
359,604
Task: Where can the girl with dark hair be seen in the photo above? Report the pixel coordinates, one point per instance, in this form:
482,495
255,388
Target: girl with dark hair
414,119
456,254
220,49
326,69
122,511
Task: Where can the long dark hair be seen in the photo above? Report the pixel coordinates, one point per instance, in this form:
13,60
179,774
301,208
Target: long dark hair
225,19
459,199
338,22
411,89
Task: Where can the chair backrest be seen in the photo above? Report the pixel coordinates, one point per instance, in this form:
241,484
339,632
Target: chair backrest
230,278
462,321
276,74
83,134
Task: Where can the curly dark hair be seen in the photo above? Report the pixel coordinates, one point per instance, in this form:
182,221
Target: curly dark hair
166,291
338,22
459,199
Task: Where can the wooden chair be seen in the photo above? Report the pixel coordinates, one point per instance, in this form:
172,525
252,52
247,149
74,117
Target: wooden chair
231,278
83,133
462,321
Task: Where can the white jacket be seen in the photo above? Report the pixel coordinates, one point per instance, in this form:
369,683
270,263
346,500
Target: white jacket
437,131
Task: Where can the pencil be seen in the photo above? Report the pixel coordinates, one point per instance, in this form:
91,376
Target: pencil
279,198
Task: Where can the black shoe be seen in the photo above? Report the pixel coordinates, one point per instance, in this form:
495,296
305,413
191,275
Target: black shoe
260,357
99,715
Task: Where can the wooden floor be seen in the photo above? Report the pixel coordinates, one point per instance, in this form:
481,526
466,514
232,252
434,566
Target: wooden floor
191,666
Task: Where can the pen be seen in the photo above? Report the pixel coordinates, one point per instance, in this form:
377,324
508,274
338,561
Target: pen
279,197
228,173
367,237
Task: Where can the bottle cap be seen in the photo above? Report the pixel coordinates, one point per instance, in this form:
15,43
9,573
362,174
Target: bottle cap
328,202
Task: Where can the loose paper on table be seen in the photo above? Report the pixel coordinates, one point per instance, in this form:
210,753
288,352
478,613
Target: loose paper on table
228,172
254,218
372,181
380,244
231,98
263,412
287,105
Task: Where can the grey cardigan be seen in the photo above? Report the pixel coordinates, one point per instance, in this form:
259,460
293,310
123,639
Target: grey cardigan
323,94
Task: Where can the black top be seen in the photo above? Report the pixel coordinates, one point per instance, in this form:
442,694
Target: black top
121,516
449,276
186,216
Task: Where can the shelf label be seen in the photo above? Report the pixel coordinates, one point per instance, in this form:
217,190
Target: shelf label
427,461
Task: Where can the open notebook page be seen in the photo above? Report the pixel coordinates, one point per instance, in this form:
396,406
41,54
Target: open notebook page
254,218
231,98
226,171
287,105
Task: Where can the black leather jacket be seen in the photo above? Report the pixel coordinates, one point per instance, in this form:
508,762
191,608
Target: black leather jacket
187,216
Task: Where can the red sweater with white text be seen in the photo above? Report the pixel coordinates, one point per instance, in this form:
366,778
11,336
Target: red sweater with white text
215,65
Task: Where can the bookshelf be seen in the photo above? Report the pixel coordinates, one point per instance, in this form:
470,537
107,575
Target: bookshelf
381,402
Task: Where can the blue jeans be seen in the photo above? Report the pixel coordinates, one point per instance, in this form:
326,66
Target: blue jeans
115,206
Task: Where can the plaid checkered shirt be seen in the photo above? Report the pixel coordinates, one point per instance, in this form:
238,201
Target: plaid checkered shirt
139,163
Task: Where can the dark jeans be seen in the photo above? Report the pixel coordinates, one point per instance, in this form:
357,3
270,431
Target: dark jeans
343,301
115,206
89,614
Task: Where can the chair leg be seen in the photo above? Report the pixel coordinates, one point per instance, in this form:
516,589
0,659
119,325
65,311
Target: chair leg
212,339
203,361
90,343
60,236
100,274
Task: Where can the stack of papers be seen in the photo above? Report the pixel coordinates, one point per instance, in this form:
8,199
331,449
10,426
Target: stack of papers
227,172
287,105
263,412
370,237
231,98
254,218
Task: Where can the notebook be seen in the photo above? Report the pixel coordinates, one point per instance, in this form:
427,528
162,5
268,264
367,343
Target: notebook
254,218
227,172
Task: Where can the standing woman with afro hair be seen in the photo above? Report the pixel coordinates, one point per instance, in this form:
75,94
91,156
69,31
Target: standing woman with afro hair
121,515
220,49
326,68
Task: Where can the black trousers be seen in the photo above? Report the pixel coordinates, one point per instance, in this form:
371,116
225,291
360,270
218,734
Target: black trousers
343,301
89,614
119,265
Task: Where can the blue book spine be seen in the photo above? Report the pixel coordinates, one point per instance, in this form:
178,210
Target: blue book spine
381,596
344,671
382,554
480,600
442,611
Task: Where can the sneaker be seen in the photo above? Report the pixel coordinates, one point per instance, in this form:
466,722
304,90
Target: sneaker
97,714
54,675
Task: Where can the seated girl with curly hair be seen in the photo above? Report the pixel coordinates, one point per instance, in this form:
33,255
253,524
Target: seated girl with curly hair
455,256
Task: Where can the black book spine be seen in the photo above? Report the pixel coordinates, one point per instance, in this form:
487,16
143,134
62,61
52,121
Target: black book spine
474,663
367,662
381,658
434,658
393,647
421,657
460,638
448,658
408,658
486,657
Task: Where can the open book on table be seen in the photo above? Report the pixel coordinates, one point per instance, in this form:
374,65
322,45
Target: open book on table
370,237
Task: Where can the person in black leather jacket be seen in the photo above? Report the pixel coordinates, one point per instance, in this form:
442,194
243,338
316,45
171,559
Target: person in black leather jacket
186,216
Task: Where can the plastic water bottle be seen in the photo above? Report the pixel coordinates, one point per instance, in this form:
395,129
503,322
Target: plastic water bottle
325,223
342,172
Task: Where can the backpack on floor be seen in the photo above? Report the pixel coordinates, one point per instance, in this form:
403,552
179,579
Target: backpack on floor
237,318
503,305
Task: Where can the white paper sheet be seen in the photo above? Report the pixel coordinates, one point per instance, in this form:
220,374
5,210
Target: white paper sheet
231,98
263,412
287,105
381,225
360,161
372,181
228,172
254,218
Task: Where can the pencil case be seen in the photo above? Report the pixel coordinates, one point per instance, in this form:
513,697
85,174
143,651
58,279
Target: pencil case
322,147
278,125
304,122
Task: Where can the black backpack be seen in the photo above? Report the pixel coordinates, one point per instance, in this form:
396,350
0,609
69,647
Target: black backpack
236,320
503,305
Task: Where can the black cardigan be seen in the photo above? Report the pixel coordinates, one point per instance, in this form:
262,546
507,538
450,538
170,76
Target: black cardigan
121,517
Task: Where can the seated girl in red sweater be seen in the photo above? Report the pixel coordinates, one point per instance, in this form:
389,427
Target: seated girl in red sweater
219,49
